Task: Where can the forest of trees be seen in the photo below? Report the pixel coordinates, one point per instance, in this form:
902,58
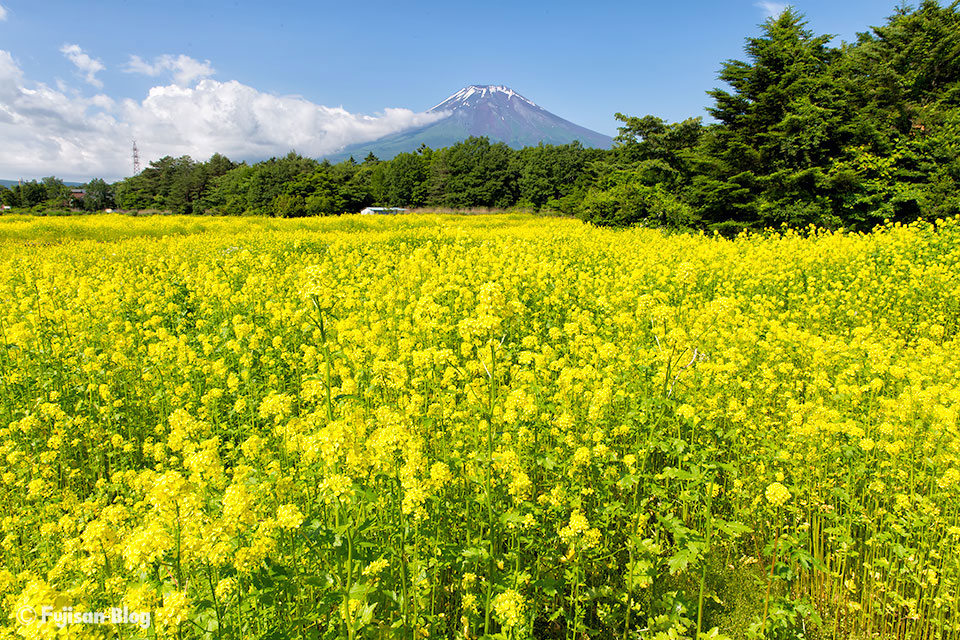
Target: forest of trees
804,133
473,173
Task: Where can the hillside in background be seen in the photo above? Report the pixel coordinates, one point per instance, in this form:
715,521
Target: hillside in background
13,183
491,111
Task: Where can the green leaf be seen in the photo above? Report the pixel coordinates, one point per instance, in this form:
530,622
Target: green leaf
679,561
731,528
474,554
511,517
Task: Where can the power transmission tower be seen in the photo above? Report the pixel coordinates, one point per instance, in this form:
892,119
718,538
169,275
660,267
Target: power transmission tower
136,159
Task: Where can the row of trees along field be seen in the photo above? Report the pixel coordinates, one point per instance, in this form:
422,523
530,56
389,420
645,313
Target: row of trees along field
52,192
472,173
804,133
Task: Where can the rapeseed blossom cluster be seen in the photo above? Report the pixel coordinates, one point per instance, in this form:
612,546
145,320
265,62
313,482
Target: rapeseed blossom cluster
777,494
508,607
453,425
289,516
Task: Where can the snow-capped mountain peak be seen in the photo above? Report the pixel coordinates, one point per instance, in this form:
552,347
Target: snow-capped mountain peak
494,111
470,96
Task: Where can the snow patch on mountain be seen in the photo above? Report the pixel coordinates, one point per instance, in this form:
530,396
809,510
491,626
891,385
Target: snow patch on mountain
463,97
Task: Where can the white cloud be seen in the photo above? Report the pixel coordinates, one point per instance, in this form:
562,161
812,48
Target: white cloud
771,9
89,66
51,131
10,76
184,69
3,13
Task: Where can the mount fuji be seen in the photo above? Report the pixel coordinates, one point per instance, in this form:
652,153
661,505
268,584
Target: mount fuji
495,111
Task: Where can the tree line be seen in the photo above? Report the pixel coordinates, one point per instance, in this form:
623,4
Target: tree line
53,193
472,173
804,133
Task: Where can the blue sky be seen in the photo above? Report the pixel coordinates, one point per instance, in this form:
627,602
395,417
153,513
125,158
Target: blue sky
79,81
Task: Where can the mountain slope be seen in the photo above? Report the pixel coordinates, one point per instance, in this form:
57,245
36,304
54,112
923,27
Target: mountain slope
494,111
12,183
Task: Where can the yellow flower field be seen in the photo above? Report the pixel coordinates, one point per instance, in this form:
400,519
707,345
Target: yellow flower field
451,427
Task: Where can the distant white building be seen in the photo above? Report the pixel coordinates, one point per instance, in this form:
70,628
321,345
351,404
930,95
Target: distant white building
383,211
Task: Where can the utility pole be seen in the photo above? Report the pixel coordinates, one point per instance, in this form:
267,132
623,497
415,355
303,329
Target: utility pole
136,159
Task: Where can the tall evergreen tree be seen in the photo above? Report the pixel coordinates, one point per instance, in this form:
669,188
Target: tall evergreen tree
780,129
